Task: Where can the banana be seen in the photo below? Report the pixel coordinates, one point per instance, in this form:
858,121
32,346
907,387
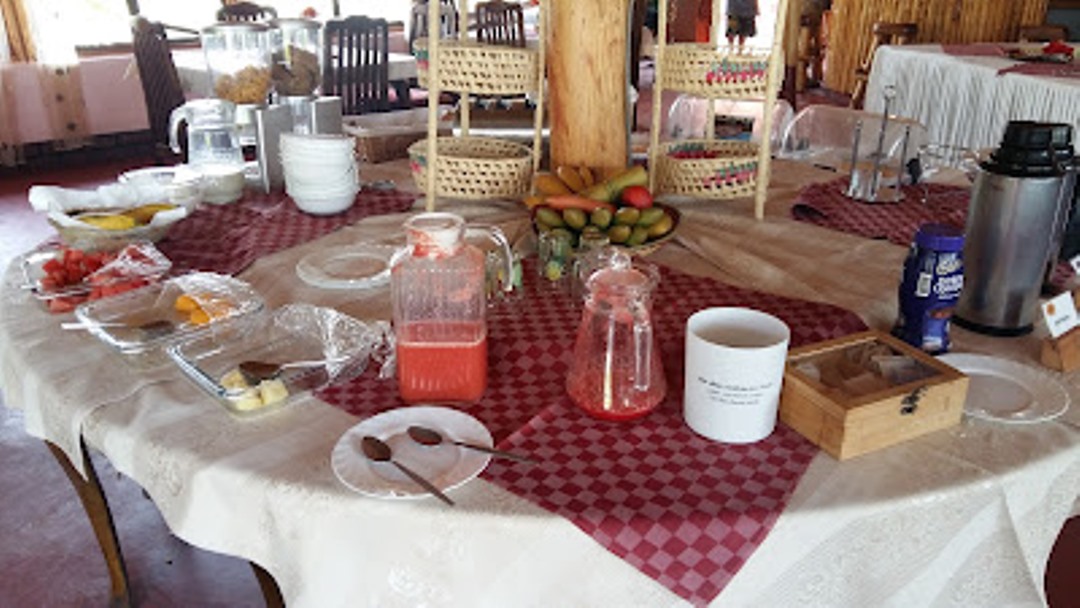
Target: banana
534,200
570,176
549,184
587,176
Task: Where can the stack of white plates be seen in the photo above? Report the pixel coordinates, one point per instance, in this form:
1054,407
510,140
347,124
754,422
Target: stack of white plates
320,172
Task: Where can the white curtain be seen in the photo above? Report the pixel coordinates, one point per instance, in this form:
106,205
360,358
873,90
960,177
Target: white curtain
58,72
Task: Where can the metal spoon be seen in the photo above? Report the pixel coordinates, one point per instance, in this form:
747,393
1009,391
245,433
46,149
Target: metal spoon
377,450
431,437
257,371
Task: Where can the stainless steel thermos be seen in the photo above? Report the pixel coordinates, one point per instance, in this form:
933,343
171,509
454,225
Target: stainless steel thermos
1019,204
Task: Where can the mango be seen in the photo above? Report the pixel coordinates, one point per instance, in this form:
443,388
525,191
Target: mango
109,222
627,216
619,233
601,218
549,217
638,235
661,227
650,216
575,218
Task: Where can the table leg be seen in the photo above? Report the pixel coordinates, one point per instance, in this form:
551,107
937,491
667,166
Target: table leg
401,90
270,591
97,510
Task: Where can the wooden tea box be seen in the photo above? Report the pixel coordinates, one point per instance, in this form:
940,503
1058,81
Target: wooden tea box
836,395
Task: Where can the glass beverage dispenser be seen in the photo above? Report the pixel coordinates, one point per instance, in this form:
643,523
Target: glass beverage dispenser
296,71
238,57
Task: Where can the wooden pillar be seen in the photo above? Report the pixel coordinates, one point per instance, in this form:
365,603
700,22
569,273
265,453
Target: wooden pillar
791,51
587,83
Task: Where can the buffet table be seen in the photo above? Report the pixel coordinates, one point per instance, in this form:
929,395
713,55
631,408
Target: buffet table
962,99
965,516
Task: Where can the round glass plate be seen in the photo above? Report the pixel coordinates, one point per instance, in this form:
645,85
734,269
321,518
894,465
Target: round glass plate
446,465
1006,391
350,267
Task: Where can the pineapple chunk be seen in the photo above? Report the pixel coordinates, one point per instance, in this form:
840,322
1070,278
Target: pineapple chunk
272,391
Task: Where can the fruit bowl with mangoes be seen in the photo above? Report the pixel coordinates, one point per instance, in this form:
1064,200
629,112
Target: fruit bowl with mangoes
621,207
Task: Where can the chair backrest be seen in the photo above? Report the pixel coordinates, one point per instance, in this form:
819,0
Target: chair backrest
356,63
884,33
448,20
499,22
246,11
1047,32
160,82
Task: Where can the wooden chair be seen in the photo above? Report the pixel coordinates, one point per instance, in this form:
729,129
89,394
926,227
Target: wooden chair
884,33
449,21
356,64
246,11
1047,32
499,22
160,81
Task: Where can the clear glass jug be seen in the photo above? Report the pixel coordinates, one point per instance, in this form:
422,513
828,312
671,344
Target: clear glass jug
213,146
616,371
437,286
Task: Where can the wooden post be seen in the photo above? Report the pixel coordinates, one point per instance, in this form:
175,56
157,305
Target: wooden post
587,83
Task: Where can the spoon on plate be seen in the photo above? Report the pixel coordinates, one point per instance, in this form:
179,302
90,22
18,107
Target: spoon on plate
431,437
375,449
257,371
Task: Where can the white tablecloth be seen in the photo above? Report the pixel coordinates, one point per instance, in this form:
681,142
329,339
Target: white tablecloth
962,100
962,517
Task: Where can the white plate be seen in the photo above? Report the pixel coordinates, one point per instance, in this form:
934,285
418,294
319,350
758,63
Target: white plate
447,466
1006,391
349,267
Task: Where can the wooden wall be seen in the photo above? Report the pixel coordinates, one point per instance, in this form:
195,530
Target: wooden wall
941,21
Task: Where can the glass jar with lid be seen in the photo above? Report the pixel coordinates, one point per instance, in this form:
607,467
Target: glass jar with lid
295,46
238,55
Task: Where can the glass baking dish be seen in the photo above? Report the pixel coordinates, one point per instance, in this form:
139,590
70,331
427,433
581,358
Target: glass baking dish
294,333
176,310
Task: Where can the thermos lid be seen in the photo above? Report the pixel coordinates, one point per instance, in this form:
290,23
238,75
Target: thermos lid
1037,135
1032,149
940,237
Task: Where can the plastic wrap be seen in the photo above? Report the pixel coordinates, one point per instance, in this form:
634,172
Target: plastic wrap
332,346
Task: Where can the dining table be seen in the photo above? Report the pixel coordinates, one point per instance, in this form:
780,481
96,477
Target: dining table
965,94
632,513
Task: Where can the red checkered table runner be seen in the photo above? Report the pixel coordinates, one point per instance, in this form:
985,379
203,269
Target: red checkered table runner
228,238
682,509
826,205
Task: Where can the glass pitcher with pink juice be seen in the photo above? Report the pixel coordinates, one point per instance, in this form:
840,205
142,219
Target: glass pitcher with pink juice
616,371
438,290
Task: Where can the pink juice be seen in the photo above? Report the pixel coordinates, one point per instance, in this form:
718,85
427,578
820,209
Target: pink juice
442,361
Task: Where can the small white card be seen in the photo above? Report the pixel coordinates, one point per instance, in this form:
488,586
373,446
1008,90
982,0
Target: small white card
1060,314
1075,263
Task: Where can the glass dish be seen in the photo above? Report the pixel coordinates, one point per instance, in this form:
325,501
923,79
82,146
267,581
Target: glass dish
350,267
96,274
227,304
298,332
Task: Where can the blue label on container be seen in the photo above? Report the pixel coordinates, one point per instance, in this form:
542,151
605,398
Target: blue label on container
929,290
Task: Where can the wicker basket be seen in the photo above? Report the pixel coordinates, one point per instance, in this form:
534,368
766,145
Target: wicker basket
387,136
732,173
701,70
480,69
474,168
